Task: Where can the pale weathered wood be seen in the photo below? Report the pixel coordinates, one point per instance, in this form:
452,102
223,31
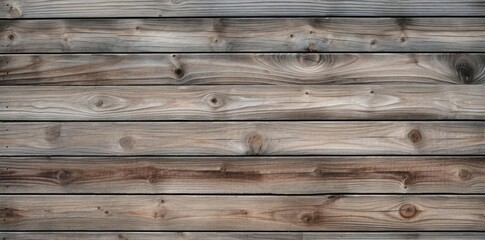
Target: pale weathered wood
216,175
257,213
198,8
275,68
240,235
243,35
236,138
429,102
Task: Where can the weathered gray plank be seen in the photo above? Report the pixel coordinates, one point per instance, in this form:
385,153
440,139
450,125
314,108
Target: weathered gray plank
243,35
197,8
234,68
240,235
236,138
257,213
429,102
222,175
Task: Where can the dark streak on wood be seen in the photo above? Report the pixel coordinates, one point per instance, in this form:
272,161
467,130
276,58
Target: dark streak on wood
279,175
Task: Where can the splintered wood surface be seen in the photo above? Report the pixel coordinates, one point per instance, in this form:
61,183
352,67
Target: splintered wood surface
309,102
242,138
242,69
243,35
259,213
254,175
211,8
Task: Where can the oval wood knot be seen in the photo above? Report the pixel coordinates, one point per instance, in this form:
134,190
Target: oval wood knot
53,132
310,218
465,174
216,100
408,211
465,69
256,143
415,136
127,142
179,72
64,177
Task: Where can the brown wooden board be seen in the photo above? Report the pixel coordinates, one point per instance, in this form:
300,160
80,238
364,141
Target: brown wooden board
242,175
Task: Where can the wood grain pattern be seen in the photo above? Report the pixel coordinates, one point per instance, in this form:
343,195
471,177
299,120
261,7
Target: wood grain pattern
246,138
222,175
243,35
198,8
311,102
240,235
240,68
258,213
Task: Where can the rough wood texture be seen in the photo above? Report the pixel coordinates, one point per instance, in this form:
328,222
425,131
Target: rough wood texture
211,8
276,68
258,213
240,235
311,102
270,175
243,35
246,138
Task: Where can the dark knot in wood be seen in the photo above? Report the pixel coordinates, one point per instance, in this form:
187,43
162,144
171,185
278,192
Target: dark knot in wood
216,100
465,70
465,175
179,72
415,136
408,211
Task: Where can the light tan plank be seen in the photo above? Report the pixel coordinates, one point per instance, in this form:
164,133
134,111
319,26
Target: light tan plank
236,138
257,213
234,68
240,235
430,102
222,175
197,8
243,35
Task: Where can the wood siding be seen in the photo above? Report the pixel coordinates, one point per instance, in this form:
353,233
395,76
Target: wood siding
242,119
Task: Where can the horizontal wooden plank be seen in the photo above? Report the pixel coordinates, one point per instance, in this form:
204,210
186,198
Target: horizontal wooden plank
430,102
268,175
241,235
257,213
236,138
243,35
240,68
198,8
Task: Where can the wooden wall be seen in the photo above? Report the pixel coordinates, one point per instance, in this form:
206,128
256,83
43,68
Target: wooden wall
242,119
